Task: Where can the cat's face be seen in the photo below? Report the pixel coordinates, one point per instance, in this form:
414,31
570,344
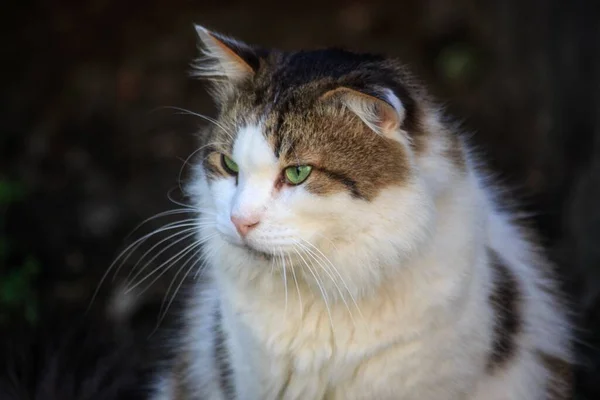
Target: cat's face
307,166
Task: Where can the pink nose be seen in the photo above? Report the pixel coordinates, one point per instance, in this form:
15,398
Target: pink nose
244,225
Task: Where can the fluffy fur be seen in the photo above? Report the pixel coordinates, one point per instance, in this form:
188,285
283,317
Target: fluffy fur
393,272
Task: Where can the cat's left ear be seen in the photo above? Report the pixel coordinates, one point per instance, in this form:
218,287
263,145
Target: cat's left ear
381,111
225,59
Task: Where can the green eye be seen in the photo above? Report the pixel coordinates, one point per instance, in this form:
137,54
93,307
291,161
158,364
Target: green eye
295,175
229,165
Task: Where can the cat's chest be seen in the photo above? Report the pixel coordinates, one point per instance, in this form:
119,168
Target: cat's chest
325,353
280,360
305,342
310,363
303,355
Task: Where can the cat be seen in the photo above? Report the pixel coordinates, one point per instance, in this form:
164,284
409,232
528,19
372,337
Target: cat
355,247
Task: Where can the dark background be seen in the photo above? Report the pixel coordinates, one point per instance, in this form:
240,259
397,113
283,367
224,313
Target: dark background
86,152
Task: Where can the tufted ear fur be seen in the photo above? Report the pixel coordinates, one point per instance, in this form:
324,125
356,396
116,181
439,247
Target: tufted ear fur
381,112
225,61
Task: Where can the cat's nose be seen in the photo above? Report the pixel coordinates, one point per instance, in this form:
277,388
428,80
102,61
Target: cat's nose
244,225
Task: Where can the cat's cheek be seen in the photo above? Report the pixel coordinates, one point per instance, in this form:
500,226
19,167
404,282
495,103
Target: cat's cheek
319,221
223,191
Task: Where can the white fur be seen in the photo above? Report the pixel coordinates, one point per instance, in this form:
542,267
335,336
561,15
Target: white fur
395,302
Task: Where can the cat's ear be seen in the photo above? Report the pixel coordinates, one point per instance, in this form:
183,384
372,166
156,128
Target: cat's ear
225,59
381,111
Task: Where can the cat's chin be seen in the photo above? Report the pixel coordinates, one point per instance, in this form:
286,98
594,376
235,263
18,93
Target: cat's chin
259,254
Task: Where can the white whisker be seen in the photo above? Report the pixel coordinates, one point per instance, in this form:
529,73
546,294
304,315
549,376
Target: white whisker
204,117
323,293
186,161
193,256
335,270
134,246
201,268
187,210
194,244
128,251
331,277
164,309
297,289
285,284
190,231
168,266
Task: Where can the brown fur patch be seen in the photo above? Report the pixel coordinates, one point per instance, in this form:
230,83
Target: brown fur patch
346,154
213,165
560,385
505,301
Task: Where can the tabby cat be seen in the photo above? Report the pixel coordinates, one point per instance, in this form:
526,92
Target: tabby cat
355,248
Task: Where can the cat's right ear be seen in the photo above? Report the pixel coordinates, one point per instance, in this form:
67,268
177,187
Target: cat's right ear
380,110
224,60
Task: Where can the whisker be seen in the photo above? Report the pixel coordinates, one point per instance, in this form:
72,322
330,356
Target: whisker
323,294
138,273
331,277
187,210
202,266
204,117
341,278
177,257
172,200
192,227
163,314
193,232
193,256
272,264
297,290
285,284
167,268
128,251
134,245
185,162
329,240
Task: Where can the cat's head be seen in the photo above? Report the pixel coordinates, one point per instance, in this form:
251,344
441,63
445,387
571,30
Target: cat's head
311,161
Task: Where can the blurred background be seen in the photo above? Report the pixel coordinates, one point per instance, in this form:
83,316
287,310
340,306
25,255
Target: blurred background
88,149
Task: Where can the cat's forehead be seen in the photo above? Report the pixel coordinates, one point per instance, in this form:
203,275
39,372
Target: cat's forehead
252,150
293,128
